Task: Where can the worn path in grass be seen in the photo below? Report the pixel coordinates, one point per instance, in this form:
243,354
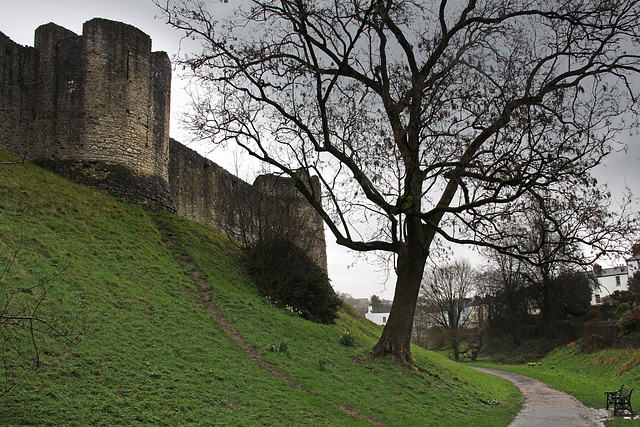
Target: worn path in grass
544,406
205,296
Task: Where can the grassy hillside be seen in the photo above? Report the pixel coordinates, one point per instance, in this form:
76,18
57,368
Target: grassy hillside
176,333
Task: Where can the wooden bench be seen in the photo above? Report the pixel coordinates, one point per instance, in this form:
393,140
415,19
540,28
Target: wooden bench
620,399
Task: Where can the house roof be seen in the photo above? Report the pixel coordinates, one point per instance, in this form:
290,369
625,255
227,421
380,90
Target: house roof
382,309
613,271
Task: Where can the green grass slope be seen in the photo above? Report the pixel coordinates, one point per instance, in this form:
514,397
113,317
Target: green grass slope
145,286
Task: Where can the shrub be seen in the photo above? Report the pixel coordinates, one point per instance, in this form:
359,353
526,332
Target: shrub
285,273
347,339
594,343
623,308
630,322
634,315
593,315
618,298
281,347
323,364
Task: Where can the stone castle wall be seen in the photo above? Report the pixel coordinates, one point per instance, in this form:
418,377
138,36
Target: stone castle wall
209,194
17,93
298,213
95,108
203,191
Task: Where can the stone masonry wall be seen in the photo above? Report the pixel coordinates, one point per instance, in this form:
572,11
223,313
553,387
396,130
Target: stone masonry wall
203,191
308,226
59,92
17,90
207,193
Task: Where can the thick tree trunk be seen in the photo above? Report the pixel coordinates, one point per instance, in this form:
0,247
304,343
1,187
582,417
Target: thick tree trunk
396,336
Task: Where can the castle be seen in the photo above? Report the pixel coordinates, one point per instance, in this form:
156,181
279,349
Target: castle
94,108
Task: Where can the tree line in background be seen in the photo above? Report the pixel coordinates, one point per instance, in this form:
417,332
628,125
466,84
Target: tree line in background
509,303
504,301
517,298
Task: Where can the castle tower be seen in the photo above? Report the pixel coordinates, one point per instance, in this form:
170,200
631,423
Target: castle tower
102,114
304,222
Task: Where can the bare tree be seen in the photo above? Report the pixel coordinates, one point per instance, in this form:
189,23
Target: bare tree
25,325
27,322
421,118
446,295
507,297
552,265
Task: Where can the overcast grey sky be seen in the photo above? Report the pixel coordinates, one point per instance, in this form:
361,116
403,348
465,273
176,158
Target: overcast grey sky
20,18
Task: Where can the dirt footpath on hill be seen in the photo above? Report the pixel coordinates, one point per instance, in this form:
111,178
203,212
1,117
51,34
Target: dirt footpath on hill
544,406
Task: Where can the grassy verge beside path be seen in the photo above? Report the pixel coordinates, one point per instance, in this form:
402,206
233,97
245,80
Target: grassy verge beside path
586,376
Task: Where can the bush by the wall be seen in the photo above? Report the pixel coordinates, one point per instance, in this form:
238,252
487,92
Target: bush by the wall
286,274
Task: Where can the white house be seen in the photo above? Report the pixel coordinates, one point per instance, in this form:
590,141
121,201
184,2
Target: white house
615,278
379,317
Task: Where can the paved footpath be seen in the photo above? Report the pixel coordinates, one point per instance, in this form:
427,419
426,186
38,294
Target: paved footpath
544,406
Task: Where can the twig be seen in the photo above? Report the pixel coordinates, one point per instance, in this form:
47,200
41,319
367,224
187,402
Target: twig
19,162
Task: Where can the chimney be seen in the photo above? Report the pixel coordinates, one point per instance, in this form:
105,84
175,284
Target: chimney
635,250
597,268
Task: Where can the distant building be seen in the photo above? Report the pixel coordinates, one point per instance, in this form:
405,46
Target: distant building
477,313
614,279
378,315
